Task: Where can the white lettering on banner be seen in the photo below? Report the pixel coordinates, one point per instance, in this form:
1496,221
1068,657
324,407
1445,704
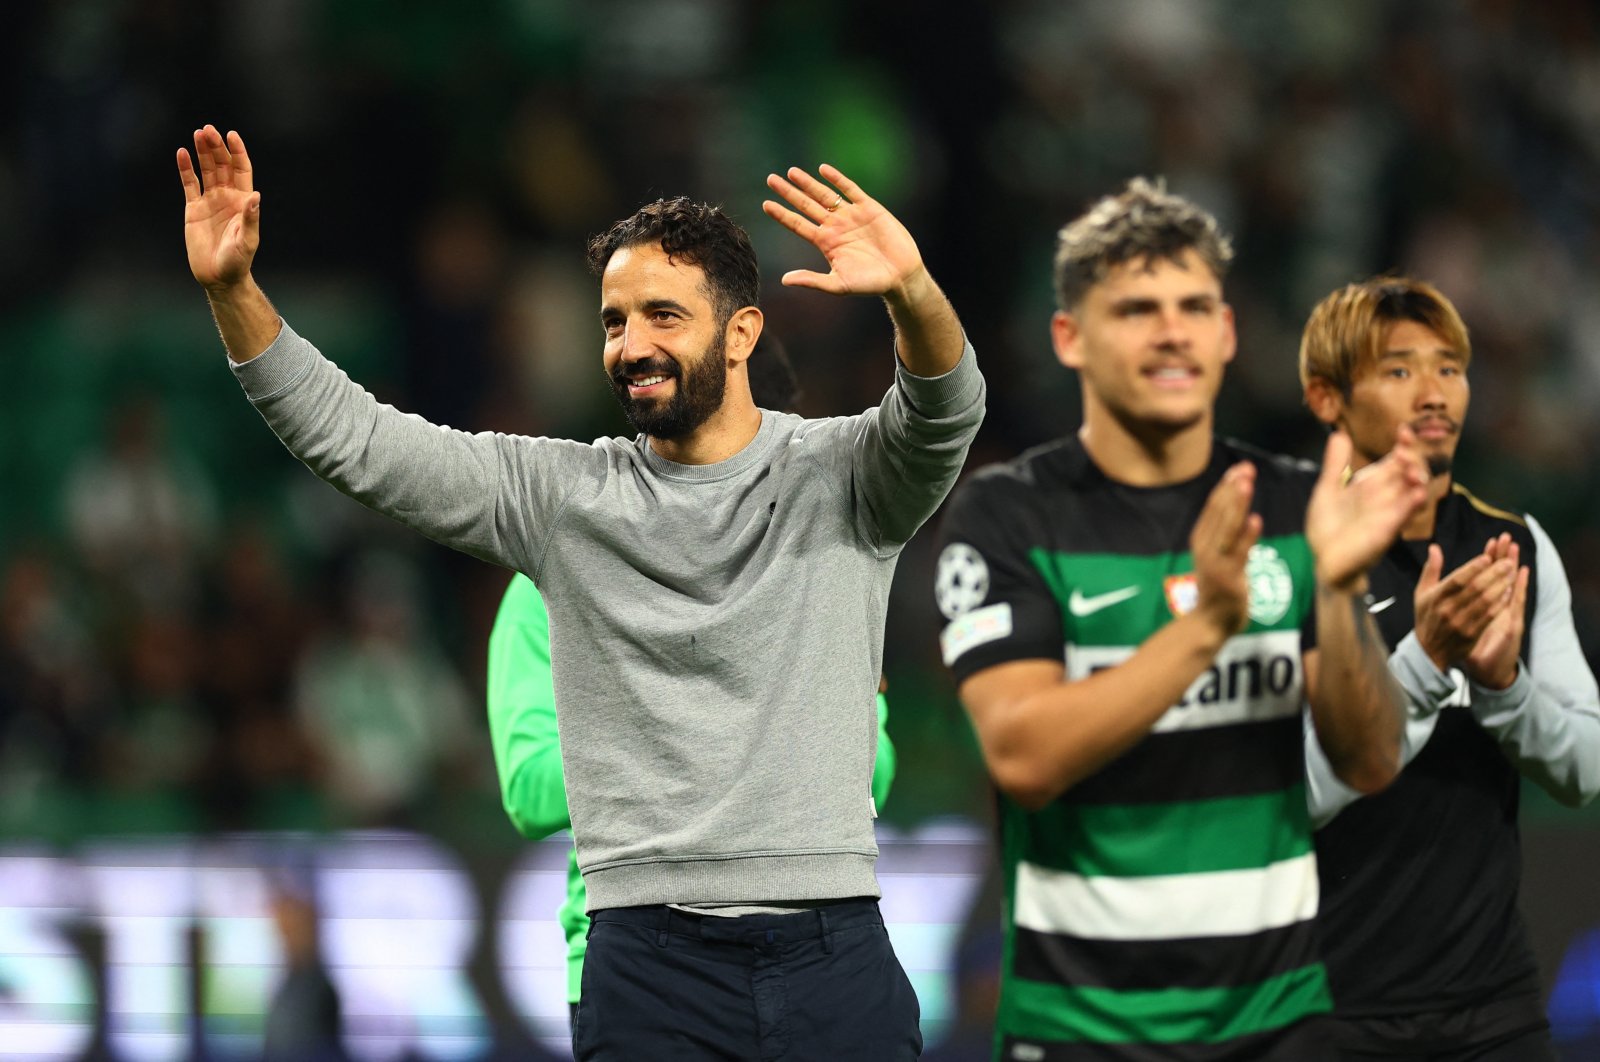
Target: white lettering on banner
47,1008
400,919
142,894
400,923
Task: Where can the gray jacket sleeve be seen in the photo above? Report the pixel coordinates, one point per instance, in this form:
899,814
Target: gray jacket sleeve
489,495
906,454
1548,720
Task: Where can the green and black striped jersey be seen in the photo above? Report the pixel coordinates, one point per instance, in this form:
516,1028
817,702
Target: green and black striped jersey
1163,907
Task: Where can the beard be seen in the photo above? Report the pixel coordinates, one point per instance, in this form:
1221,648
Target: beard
1438,464
698,394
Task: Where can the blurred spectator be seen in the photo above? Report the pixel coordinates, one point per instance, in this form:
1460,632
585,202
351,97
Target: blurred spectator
382,707
1457,141
160,739
257,624
141,516
55,694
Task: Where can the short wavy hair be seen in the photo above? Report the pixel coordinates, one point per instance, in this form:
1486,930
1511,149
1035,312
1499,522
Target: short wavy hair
1142,221
697,233
1346,330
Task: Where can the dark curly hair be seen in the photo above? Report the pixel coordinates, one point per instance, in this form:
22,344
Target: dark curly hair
697,233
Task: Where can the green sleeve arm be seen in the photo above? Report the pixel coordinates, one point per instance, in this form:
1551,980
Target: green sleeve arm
522,714
883,767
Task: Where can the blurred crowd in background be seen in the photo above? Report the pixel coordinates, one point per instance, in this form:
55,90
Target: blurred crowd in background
195,634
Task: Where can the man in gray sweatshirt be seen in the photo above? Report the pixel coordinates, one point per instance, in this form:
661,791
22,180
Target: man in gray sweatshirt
716,587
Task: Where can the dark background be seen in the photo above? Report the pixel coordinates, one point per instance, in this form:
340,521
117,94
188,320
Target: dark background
198,638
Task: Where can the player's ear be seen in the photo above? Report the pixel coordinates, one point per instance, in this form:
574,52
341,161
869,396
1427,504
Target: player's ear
1067,339
1325,400
741,333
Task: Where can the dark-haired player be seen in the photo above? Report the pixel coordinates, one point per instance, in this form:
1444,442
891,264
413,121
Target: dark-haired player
717,589
522,709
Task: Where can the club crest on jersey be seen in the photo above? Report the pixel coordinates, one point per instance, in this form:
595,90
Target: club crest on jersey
1183,593
1271,585
962,582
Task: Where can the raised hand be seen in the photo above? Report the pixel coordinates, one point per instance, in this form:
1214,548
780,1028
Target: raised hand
1349,525
222,209
1453,612
1220,544
868,251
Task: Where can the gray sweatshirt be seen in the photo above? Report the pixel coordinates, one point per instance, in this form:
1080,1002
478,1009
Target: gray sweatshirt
716,631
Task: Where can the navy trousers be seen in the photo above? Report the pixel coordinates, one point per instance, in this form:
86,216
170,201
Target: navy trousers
824,985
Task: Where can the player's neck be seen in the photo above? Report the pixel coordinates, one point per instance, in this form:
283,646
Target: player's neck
727,431
1145,455
1420,527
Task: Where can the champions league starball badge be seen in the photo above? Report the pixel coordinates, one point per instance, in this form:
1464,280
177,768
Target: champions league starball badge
963,580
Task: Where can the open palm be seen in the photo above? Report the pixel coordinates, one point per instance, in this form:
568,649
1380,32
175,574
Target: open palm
869,251
222,209
1350,525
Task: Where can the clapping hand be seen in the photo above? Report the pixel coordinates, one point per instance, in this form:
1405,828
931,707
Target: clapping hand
1454,612
1220,544
1350,525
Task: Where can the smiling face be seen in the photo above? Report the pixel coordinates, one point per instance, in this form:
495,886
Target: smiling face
665,348
1150,341
1418,379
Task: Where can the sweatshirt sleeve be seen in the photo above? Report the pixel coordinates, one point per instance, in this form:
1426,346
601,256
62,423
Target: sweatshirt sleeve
522,713
1427,690
490,495
906,453
1548,720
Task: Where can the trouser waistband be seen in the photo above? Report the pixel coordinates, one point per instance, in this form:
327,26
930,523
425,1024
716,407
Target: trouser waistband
817,923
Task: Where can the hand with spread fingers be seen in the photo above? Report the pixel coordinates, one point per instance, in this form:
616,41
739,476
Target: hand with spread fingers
1350,524
868,251
1454,611
222,209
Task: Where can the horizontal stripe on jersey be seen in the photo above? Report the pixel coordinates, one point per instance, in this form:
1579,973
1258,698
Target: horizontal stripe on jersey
1148,840
1219,903
1305,1041
1090,589
1169,1015
1219,761
1165,904
1190,962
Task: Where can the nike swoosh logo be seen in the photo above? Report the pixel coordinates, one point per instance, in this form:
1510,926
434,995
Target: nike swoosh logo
1378,606
1079,605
